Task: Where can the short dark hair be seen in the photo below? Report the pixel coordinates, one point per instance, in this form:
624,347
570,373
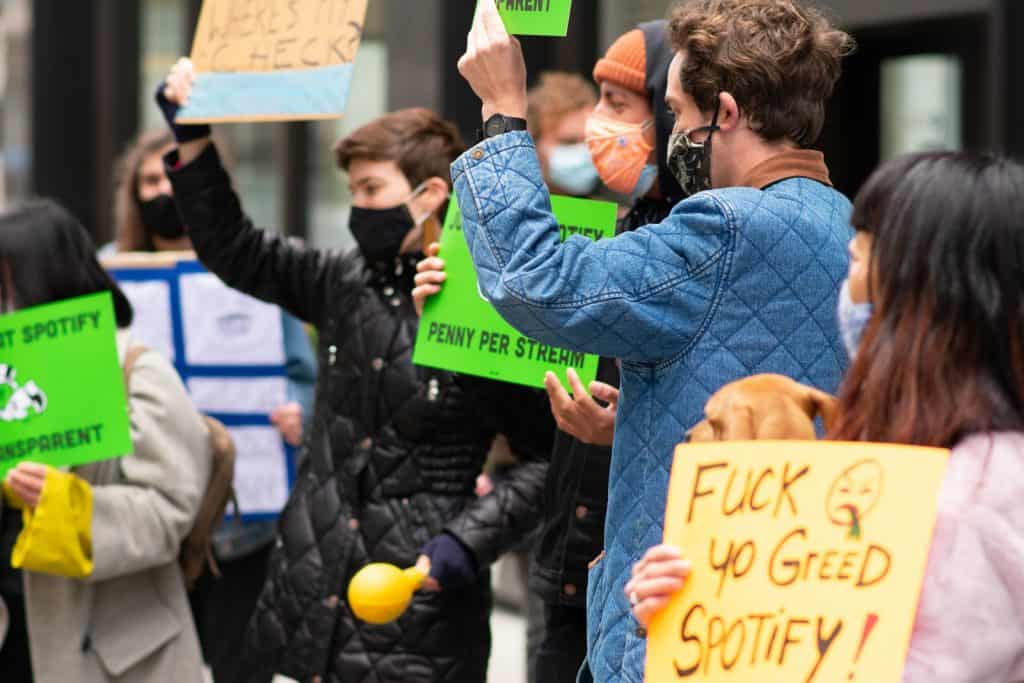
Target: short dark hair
47,256
780,59
420,142
943,355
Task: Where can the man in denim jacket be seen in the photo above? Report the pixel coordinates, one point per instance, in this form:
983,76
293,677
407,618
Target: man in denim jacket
741,278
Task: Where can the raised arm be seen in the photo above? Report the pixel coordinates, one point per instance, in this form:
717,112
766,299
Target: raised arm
271,267
639,296
268,266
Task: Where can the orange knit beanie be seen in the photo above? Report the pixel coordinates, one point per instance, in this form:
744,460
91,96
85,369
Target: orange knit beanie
625,63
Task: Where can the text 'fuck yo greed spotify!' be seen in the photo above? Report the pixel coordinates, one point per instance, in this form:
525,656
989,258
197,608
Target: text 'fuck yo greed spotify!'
712,641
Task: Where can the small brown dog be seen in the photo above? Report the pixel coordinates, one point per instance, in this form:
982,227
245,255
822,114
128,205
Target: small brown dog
763,407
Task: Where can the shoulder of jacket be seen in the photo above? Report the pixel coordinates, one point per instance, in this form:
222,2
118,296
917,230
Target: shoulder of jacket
984,470
140,363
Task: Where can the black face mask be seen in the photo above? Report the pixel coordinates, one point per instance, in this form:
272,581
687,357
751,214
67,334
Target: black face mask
380,232
160,217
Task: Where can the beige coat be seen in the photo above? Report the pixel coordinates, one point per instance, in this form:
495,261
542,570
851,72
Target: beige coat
130,621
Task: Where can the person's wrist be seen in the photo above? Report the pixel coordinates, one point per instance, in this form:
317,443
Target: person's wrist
183,133
513,109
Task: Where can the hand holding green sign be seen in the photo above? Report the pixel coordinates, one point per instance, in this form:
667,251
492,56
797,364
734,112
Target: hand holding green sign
461,332
62,396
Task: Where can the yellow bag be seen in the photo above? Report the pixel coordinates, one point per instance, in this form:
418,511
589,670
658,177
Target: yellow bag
57,535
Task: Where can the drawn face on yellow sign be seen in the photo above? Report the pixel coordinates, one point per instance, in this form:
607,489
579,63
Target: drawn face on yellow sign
854,495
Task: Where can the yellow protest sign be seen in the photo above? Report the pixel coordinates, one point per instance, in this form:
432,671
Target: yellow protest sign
808,560
273,60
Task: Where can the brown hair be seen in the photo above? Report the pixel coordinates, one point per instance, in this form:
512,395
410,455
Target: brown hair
943,354
779,59
555,96
130,234
422,144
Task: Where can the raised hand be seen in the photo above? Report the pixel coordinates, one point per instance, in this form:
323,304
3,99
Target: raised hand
171,96
494,65
177,88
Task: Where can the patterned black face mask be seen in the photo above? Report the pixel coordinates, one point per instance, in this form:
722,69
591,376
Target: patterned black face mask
689,161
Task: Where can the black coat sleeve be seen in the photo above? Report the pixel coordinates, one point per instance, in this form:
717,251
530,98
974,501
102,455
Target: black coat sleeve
495,523
268,266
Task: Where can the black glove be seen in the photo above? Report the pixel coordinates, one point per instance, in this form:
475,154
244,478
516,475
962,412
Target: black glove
451,563
182,132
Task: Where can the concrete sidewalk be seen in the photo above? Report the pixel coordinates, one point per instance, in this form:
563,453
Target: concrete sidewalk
508,648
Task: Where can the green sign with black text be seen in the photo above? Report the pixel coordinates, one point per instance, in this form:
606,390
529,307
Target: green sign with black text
62,394
461,332
536,17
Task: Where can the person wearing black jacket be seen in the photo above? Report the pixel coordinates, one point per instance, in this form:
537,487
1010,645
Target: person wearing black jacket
394,449
628,138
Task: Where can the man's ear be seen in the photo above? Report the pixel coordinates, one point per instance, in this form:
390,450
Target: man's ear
435,193
729,113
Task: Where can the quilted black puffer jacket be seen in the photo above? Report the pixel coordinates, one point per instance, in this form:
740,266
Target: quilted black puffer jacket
391,460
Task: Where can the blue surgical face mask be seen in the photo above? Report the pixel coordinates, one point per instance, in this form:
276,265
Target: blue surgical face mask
853,320
571,169
648,177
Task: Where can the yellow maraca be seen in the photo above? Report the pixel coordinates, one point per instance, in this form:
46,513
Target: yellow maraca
379,593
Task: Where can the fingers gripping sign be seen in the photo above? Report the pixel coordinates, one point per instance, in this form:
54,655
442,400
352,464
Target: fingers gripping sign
179,83
430,276
659,575
27,481
494,66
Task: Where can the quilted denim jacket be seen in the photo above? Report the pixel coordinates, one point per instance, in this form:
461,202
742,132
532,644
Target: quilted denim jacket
734,282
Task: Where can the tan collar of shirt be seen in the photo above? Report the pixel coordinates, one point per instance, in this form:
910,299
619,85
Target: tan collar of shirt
797,163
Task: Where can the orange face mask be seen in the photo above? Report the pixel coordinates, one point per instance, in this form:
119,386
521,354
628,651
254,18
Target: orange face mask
621,153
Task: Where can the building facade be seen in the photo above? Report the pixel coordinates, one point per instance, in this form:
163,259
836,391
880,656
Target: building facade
76,84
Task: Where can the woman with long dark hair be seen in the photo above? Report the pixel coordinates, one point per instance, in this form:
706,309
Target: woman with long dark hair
933,316
115,610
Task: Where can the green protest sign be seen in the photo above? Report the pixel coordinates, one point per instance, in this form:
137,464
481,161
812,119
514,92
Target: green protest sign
536,17
62,395
461,332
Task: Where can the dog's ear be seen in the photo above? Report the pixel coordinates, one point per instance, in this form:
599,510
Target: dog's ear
819,403
738,423
703,432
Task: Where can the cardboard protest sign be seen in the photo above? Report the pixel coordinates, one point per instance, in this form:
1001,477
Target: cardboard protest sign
62,394
536,17
461,332
273,60
808,560
229,349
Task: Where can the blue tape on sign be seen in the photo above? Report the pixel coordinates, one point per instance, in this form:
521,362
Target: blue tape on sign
322,91
237,371
242,419
177,326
